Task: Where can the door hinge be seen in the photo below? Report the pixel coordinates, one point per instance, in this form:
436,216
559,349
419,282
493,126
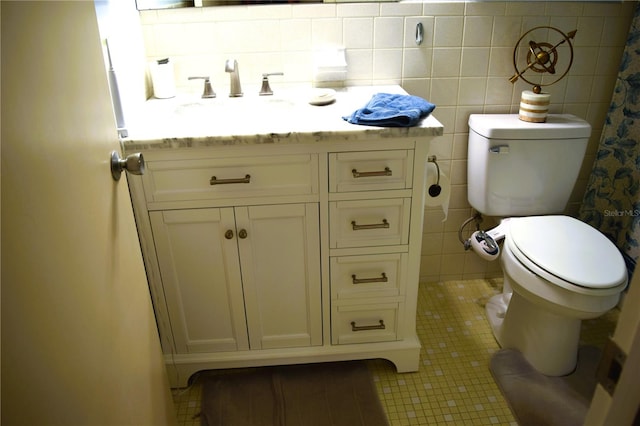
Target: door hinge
610,366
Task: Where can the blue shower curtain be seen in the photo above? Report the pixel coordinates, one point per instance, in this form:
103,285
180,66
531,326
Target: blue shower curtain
612,199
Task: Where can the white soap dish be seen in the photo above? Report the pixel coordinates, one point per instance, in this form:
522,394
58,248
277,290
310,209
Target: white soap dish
322,97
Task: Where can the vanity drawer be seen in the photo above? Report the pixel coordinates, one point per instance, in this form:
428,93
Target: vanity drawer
366,223
376,275
370,171
214,178
365,323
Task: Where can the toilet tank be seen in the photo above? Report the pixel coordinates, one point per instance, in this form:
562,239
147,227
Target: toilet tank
517,168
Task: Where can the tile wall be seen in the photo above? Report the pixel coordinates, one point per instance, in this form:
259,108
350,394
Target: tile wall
463,67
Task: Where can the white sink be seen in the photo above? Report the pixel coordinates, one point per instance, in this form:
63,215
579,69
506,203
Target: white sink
226,106
238,115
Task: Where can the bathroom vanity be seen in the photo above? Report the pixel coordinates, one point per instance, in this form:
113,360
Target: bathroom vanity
274,232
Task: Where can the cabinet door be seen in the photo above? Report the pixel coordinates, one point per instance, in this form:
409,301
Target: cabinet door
201,279
280,259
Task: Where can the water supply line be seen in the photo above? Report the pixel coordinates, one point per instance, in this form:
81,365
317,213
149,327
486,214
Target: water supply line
477,218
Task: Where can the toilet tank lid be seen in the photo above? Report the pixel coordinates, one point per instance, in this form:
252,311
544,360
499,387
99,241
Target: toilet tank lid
509,126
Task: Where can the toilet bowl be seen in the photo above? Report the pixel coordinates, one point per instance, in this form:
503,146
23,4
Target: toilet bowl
557,272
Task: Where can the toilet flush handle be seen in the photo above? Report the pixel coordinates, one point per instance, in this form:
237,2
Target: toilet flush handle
499,149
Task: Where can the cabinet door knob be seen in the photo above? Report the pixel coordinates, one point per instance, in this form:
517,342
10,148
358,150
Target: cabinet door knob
242,233
229,234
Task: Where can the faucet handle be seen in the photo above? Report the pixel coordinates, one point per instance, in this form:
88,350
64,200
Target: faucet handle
208,90
266,89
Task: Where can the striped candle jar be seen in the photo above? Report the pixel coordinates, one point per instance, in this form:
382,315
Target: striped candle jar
534,107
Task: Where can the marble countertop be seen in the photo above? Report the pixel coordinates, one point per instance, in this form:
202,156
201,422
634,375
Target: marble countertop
285,117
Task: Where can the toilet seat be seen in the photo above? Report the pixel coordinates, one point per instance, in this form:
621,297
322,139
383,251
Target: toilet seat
568,253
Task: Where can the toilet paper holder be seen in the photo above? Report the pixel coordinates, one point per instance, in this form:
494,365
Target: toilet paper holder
435,189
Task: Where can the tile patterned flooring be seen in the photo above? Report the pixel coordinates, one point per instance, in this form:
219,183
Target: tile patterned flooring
454,385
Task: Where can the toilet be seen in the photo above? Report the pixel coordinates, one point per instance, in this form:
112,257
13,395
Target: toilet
557,269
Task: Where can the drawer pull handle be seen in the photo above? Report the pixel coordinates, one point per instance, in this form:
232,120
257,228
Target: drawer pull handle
385,172
382,279
383,225
355,327
215,181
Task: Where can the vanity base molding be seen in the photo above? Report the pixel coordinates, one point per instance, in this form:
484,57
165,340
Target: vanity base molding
404,354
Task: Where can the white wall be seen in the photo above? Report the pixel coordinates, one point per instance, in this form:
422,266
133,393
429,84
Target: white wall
463,67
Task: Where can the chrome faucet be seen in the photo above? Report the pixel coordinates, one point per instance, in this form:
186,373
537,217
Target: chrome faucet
231,66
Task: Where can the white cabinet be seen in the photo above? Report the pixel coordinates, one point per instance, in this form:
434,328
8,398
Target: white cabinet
224,271
284,253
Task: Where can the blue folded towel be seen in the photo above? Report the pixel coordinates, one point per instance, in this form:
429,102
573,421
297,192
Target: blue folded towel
391,110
